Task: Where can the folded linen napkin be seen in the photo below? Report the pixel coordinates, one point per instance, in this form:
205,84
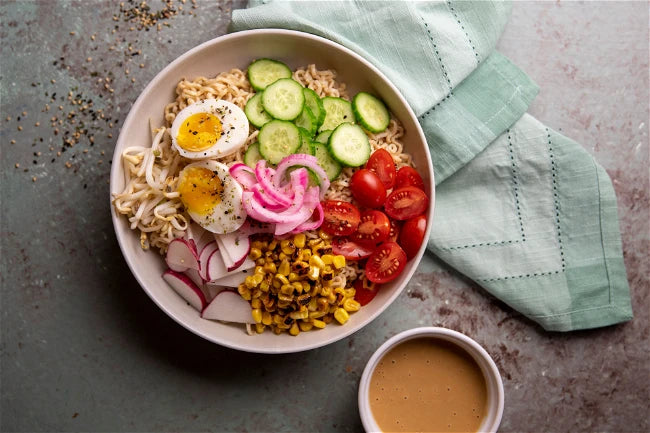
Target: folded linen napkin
520,209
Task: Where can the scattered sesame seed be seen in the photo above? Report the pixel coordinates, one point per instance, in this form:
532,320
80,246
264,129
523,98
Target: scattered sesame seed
13,141
24,113
20,128
52,81
34,179
37,124
17,165
89,59
142,65
73,33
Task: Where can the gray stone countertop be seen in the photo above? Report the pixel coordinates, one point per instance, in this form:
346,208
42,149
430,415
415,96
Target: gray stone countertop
84,349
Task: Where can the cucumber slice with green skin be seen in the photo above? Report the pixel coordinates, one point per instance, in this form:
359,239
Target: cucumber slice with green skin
278,138
255,111
315,105
284,99
337,111
307,121
349,145
370,112
324,136
263,72
306,144
252,155
330,165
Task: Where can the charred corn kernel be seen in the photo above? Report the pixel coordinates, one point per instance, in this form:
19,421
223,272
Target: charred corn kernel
304,255
332,309
250,282
282,279
294,330
259,328
318,324
284,268
323,305
278,319
324,235
277,331
341,316
269,267
255,253
283,256
325,291
314,272
332,298
297,286
338,262
328,318
317,248
266,318
312,305
259,270
328,259
293,277
276,284
264,286
260,261
257,279
284,297
327,274
284,304
299,240
305,286
367,284
287,289
350,305
301,314
316,314
256,303
273,244
257,315
316,261
305,326
244,292
349,293
315,290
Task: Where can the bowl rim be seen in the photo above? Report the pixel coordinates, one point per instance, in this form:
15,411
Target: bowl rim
480,355
117,173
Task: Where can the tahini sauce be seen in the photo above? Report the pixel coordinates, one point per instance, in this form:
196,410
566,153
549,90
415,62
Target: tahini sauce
425,385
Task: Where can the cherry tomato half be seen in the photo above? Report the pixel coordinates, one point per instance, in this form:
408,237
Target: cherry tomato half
395,228
350,249
363,295
407,202
381,163
374,227
367,188
385,263
340,217
412,235
407,176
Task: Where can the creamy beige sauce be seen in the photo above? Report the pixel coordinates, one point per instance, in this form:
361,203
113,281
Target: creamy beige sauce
428,385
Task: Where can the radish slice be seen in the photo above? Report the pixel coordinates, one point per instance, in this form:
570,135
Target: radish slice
212,290
195,276
233,279
234,248
181,255
228,306
206,252
186,289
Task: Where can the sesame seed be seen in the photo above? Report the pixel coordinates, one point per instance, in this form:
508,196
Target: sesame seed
17,165
13,141
20,128
34,179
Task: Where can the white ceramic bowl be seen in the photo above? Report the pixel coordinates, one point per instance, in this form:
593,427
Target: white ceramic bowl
237,50
482,358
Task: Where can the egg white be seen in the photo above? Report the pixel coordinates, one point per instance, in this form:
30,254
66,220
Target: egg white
228,215
234,125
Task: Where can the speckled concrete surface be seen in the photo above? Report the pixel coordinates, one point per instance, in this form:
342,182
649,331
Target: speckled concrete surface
83,348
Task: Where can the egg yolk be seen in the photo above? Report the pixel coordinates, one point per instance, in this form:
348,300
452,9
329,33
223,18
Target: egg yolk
200,190
199,131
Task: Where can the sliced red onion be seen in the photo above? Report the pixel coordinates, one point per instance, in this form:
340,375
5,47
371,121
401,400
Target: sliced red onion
265,177
308,161
243,174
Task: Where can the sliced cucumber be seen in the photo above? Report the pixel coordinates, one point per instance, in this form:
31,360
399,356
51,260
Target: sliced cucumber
284,99
307,121
315,105
370,112
330,165
252,155
337,111
278,138
255,112
263,72
306,145
349,145
324,136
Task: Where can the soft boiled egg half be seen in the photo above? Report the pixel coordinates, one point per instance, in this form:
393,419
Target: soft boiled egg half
209,128
212,198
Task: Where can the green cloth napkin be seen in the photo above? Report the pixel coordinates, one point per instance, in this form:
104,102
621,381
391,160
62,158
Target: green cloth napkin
520,209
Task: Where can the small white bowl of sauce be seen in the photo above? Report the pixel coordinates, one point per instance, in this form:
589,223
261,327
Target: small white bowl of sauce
431,379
